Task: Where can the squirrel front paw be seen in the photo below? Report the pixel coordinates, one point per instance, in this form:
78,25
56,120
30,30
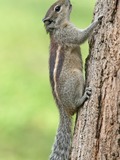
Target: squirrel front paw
100,18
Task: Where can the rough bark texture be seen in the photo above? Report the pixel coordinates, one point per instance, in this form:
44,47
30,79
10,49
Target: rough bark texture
97,131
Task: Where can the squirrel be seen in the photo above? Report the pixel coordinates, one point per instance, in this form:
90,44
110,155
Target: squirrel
65,69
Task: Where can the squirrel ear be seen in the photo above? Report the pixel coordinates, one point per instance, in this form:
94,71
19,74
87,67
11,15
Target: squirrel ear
66,1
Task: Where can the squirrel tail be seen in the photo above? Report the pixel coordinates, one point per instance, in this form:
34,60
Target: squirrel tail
62,145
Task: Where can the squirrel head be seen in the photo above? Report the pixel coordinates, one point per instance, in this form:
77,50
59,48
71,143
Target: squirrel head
57,14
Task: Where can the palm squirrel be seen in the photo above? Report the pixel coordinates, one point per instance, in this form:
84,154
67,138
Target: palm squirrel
65,67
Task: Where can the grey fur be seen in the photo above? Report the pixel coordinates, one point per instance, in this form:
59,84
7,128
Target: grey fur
62,143
69,93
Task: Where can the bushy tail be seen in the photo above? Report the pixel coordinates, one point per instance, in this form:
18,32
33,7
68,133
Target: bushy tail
62,145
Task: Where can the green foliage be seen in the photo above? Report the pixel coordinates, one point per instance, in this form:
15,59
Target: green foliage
28,116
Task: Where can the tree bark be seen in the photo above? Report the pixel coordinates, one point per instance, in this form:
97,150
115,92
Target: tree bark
97,130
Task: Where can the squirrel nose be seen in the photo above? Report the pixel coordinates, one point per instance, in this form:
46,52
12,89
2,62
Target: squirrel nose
45,19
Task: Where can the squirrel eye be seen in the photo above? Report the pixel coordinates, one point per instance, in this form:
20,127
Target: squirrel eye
57,8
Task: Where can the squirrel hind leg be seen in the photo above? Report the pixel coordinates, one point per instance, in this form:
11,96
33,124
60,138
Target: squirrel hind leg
86,95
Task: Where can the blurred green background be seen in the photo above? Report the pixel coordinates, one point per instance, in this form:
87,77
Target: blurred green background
28,115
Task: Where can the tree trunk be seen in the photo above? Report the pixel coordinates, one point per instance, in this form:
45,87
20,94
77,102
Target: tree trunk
97,131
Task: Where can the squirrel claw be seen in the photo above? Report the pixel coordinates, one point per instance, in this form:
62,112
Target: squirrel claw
100,18
88,92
